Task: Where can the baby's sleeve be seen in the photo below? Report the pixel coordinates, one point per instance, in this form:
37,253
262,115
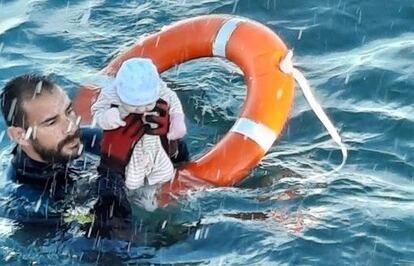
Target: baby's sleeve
171,98
103,102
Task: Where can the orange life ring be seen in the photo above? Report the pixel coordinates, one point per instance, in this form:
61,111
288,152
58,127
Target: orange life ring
258,52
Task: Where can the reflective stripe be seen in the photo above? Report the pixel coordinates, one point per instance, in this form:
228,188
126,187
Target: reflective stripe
257,132
223,36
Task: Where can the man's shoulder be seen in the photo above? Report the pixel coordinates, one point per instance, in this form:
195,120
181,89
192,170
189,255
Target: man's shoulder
23,202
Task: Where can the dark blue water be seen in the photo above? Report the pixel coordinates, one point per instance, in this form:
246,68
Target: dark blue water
358,56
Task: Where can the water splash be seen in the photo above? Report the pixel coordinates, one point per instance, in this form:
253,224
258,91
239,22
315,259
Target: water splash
236,2
86,15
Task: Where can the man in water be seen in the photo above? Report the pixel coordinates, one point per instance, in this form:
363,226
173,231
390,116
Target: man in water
43,178
47,164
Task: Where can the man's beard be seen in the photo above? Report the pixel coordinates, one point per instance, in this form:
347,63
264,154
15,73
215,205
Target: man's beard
56,155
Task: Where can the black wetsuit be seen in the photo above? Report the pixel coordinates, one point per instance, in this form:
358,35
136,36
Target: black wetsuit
39,193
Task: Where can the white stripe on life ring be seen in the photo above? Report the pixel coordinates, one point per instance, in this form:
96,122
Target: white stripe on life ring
223,36
257,132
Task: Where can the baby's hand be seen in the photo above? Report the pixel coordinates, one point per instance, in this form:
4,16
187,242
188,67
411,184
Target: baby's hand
111,119
177,128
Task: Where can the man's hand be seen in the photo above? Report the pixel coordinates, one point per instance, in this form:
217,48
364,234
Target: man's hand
111,119
177,128
118,144
162,119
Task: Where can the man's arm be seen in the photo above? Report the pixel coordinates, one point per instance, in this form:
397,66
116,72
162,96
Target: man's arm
177,128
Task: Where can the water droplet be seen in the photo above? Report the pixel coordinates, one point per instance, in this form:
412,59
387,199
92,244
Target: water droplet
28,133
78,120
300,34
39,86
2,134
206,232
12,109
347,78
197,234
80,150
164,224
69,126
86,15
34,132
158,40
38,203
235,6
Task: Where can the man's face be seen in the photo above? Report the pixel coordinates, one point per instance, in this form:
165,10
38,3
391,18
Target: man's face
55,131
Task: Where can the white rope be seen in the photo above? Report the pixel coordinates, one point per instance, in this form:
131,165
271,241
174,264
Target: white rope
286,66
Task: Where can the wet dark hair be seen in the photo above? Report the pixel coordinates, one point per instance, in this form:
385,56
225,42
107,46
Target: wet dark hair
20,89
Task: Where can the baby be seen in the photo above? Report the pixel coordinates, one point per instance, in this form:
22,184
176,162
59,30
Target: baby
136,89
